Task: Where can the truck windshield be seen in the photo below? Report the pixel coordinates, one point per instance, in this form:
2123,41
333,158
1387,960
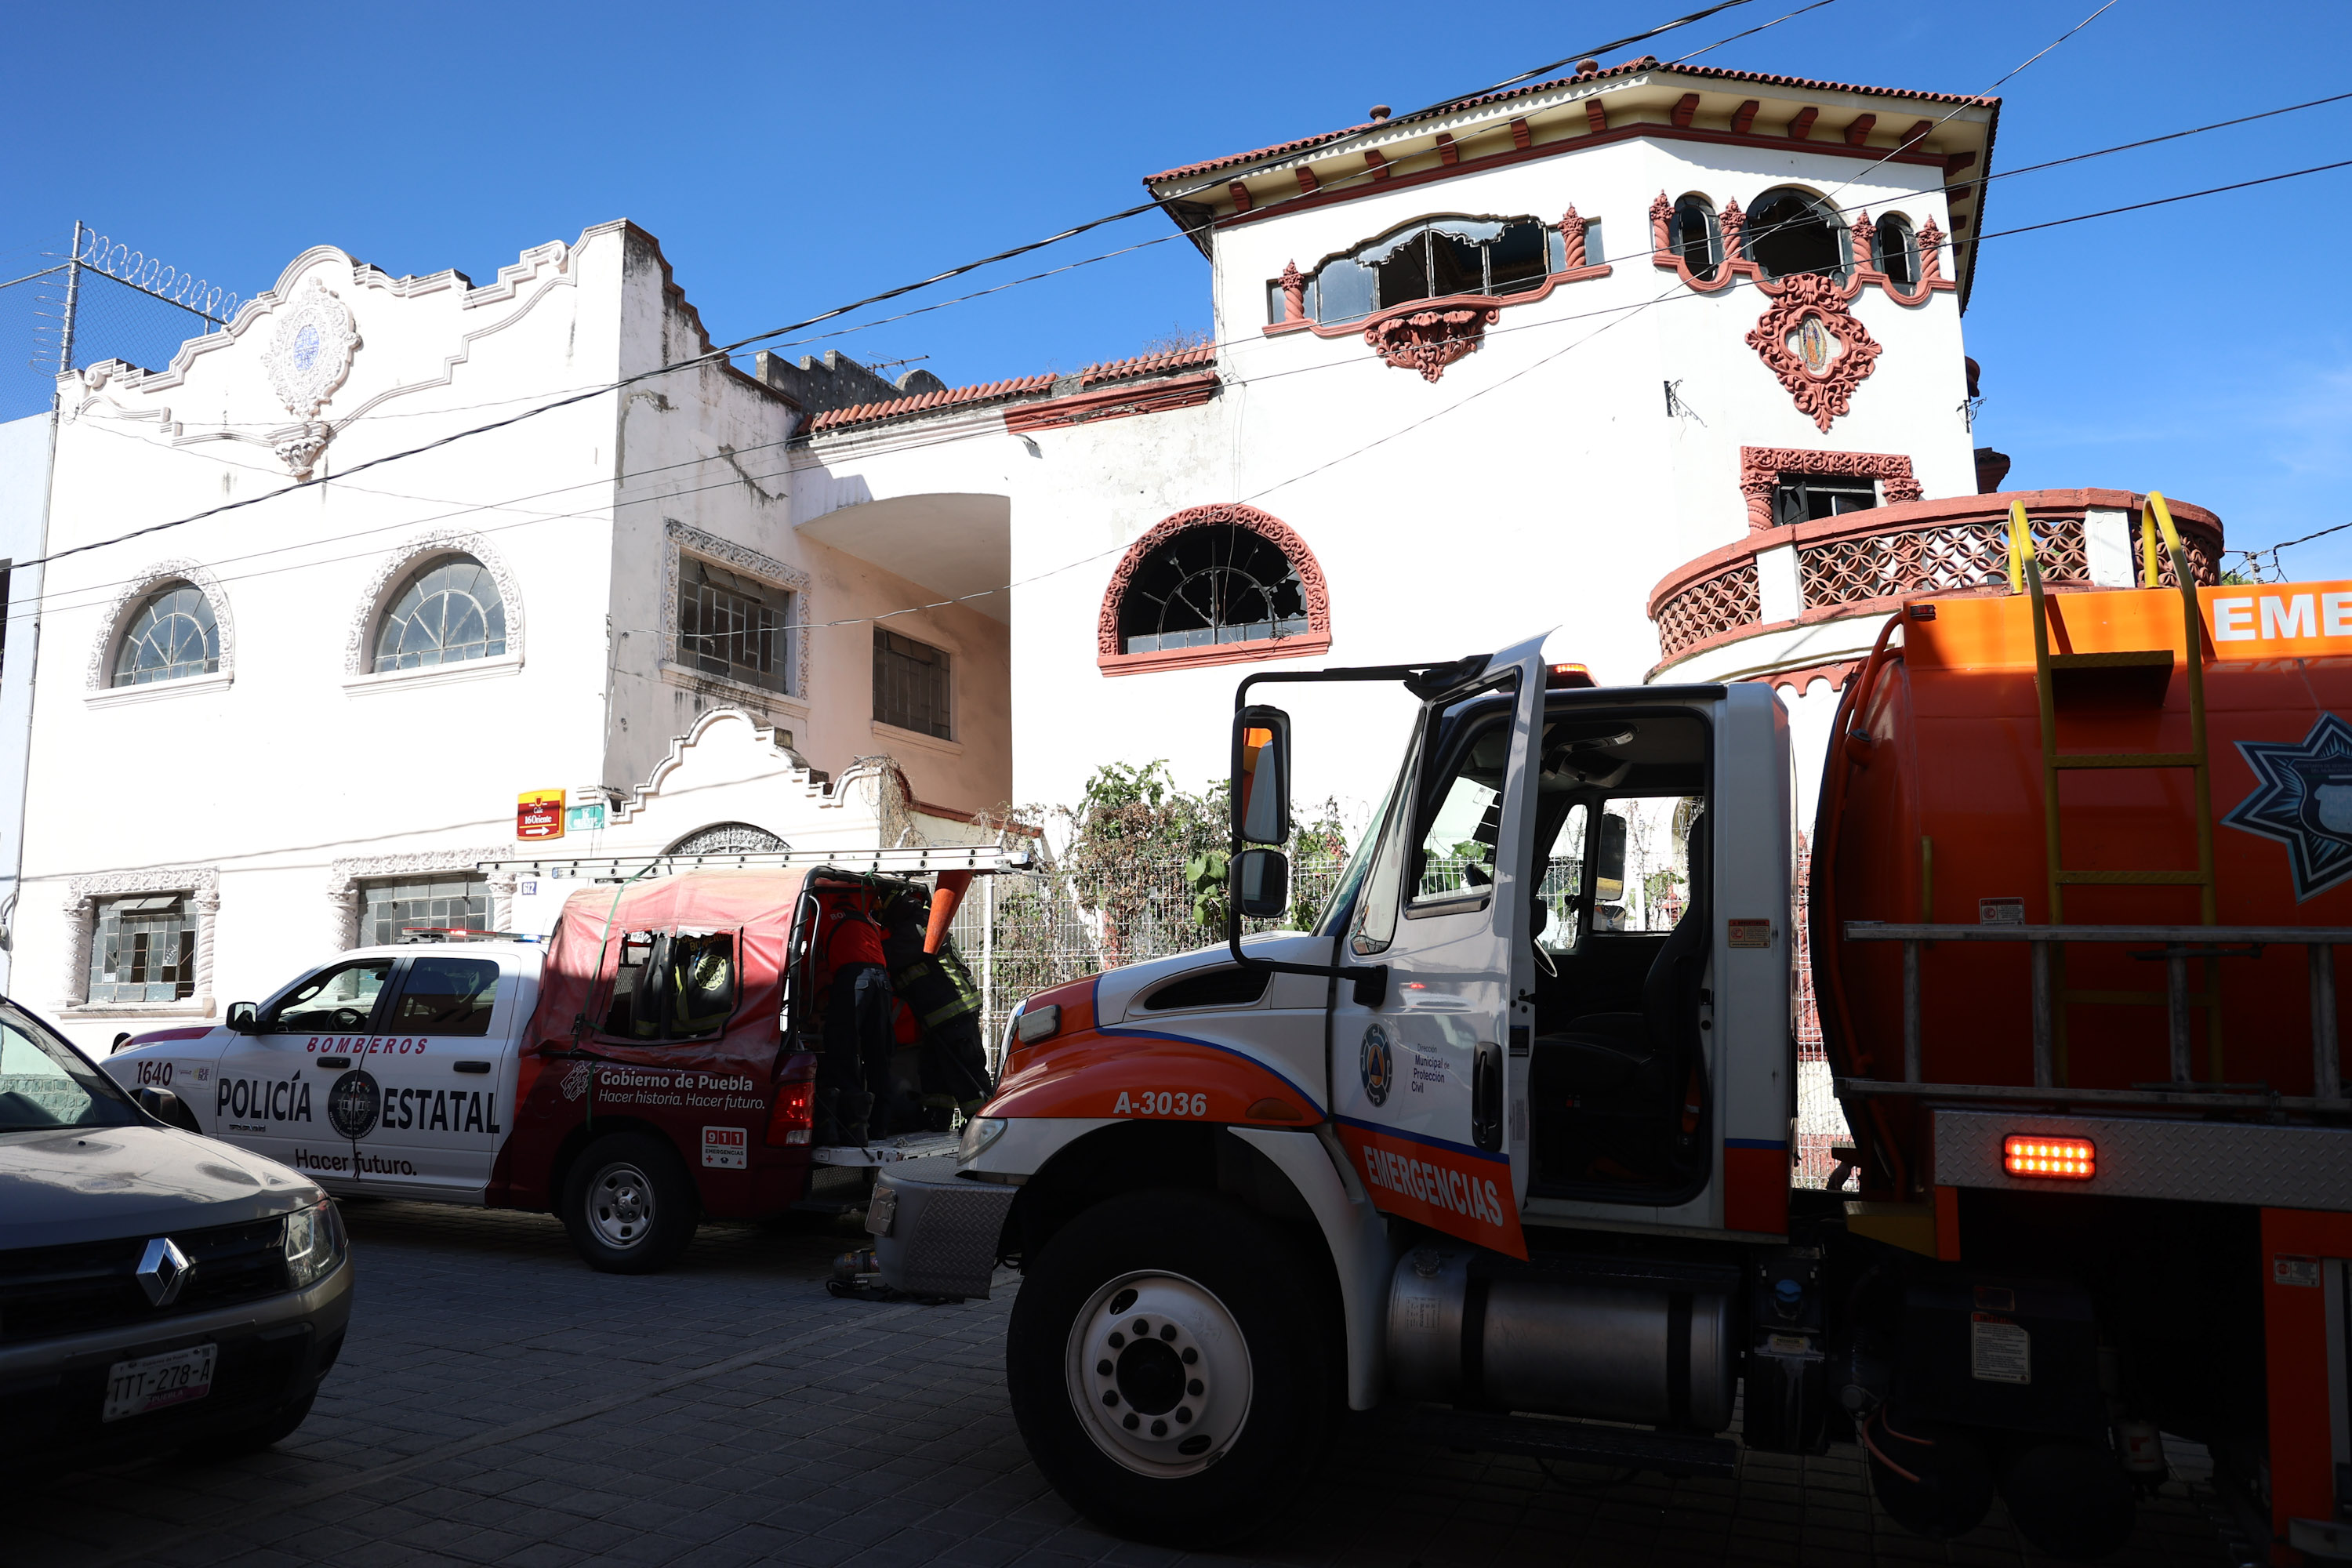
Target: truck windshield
45,1083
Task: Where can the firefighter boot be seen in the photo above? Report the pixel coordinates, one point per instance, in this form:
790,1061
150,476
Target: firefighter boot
856,1107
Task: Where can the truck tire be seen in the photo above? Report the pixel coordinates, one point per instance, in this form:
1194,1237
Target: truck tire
628,1204
1170,1371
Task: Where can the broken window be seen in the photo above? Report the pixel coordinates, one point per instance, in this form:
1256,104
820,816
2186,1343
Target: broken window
1896,251
145,950
1437,259
731,625
1789,231
1210,584
1807,497
1693,233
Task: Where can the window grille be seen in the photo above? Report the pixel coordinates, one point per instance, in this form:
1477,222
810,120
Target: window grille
1212,583
145,950
447,612
732,625
172,636
729,838
1807,497
455,901
910,684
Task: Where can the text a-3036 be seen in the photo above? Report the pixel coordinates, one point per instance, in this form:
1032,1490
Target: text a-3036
1160,1103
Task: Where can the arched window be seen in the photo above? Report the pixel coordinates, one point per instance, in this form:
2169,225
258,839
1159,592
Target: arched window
447,611
1695,235
174,635
1213,585
729,838
1789,230
1434,259
1895,251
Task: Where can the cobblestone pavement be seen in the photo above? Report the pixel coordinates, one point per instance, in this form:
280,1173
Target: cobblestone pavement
499,1402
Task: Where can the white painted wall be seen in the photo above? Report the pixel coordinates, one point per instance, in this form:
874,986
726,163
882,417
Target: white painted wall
24,493
1541,483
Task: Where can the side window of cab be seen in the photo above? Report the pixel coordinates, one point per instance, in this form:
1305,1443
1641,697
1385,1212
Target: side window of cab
340,999
445,995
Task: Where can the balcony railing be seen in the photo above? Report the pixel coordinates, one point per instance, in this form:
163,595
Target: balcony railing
1865,562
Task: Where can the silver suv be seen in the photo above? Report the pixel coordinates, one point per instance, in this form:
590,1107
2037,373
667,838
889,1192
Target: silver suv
157,1287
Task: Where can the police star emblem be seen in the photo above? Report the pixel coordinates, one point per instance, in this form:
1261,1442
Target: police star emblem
2303,801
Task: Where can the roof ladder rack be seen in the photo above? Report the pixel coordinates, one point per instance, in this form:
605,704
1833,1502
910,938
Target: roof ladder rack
2144,675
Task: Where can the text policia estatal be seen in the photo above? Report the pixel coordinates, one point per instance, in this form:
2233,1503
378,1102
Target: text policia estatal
1434,1185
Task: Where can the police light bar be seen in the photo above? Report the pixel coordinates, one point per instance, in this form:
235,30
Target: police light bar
2049,1159
1566,675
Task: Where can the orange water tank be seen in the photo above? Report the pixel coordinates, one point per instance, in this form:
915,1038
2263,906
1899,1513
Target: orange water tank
1938,819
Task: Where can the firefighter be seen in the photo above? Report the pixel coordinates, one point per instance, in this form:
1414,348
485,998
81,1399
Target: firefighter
850,975
944,1008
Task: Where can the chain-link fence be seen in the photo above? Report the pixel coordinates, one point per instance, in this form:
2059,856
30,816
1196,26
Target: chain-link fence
92,299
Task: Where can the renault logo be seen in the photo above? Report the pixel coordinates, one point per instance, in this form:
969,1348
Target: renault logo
165,1271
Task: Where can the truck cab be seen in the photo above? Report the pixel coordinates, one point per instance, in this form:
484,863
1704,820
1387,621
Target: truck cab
1506,1130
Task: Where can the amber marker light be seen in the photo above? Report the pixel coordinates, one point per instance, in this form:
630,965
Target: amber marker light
1566,675
2052,1159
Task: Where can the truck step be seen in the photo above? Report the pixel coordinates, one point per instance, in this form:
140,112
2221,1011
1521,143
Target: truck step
1580,1442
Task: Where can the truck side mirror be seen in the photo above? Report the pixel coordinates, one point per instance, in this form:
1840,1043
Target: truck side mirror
1261,882
1608,866
241,1019
1261,776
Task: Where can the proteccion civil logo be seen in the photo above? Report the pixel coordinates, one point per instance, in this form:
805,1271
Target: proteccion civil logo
353,1104
1379,1064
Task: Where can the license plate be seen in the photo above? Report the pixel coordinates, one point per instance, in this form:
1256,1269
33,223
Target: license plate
158,1381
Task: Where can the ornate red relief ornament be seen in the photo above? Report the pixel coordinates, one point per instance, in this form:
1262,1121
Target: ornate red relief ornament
1809,338
1429,341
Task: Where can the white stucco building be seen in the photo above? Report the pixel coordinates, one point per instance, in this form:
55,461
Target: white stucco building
287,726
24,494
1477,372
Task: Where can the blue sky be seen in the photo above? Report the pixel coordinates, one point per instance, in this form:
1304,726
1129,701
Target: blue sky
793,157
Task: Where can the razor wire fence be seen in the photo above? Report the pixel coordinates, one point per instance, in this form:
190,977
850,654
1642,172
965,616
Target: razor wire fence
97,300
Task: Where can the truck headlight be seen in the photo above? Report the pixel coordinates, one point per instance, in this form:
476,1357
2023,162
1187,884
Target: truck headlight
314,1244
978,1134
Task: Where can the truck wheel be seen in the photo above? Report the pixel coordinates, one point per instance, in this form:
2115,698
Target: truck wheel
1170,1372
2071,1500
629,1206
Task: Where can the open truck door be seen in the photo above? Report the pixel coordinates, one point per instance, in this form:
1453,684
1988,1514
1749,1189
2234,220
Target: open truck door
1429,1036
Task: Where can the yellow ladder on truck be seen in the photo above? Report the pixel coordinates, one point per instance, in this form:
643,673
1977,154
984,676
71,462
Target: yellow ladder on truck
2049,670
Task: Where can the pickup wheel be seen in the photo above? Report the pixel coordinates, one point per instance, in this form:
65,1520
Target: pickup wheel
1170,1371
629,1205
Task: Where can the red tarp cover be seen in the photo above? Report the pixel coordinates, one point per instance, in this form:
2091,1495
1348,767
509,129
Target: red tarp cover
758,903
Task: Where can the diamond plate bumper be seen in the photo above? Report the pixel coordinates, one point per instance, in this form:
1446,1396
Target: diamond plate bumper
935,1234
2261,1163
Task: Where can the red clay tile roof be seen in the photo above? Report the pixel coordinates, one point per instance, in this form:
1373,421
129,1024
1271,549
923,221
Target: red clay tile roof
1646,62
1147,364
867,413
